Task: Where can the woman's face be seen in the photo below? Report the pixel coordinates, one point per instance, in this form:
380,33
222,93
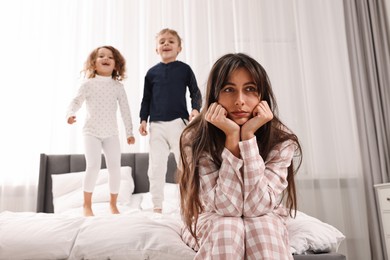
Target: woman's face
239,96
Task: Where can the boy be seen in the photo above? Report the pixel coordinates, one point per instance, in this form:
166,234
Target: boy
164,102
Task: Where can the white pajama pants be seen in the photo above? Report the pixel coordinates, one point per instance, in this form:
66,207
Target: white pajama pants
164,138
112,154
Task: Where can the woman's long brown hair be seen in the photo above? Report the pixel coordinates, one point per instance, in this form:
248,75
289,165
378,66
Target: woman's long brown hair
201,138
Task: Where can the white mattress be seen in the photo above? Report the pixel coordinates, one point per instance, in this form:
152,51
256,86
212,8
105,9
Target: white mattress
136,233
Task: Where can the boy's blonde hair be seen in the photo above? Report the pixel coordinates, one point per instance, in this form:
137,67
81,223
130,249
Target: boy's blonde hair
173,32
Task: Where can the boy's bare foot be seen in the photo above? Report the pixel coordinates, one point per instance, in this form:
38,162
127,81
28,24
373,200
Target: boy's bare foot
157,210
114,209
88,212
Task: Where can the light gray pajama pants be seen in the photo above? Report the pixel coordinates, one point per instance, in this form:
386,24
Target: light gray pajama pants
164,138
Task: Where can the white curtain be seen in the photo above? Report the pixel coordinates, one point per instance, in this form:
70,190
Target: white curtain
301,44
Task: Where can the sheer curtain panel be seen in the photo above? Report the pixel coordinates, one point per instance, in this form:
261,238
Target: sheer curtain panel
368,36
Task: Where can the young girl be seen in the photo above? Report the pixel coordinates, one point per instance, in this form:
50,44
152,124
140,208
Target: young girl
104,69
236,165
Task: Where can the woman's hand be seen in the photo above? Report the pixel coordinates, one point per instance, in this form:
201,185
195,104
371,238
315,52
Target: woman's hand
217,115
261,115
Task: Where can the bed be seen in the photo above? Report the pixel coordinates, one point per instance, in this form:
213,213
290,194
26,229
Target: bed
137,233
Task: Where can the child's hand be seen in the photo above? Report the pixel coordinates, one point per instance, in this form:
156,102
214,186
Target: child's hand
216,115
261,115
71,120
131,140
194,113
142,129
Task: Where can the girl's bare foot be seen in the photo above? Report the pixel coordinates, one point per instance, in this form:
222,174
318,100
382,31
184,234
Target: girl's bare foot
157,210
88,212
114,209
88,204
113,200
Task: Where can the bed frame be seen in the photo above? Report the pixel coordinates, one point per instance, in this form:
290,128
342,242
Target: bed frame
66,163
62,164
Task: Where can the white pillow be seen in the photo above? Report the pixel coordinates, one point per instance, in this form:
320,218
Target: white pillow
143,235
307,233
30,235
68,189
171,203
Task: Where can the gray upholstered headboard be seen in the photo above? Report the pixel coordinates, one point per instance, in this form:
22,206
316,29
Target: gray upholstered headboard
66,163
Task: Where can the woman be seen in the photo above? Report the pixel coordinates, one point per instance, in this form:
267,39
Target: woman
236,166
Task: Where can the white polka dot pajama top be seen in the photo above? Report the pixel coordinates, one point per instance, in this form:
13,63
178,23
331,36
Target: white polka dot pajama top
102,96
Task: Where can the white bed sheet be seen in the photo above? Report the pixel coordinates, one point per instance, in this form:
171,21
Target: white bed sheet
141,235
137,233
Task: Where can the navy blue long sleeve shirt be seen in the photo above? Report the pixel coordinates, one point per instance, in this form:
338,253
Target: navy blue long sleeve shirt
165,87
